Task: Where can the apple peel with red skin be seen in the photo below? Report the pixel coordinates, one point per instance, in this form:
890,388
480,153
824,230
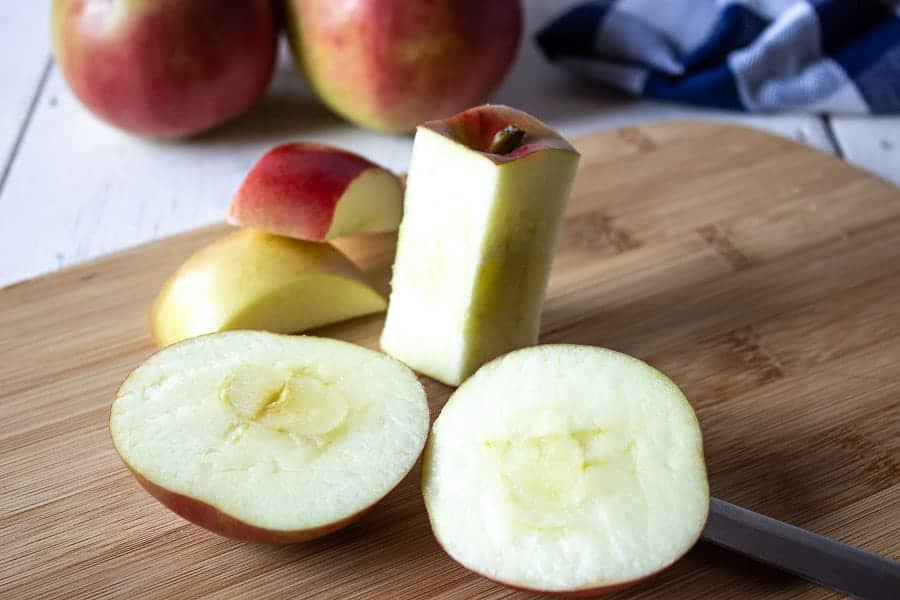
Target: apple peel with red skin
316,192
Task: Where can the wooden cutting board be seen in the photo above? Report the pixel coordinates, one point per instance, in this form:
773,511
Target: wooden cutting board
762,276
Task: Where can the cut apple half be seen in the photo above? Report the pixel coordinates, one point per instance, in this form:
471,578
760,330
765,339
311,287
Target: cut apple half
566,469
254,280
315,192
269,438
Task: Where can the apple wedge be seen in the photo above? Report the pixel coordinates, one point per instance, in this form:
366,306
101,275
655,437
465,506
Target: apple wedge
484,198
315,192
566,469
269,438
253,280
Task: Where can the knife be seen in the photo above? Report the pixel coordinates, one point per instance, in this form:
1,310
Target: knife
822,560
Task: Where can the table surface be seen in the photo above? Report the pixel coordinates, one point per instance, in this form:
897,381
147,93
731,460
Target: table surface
73,188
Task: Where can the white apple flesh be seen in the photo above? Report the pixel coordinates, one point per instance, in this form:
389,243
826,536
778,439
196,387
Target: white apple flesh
566,469
478,233
266,437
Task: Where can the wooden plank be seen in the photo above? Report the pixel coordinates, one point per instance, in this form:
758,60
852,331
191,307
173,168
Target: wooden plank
24,62
769,299
871,142
80,189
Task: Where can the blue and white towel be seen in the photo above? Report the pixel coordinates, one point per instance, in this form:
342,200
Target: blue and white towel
837,56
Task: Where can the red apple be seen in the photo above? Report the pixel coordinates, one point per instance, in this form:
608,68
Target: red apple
315,192
165,68
391,65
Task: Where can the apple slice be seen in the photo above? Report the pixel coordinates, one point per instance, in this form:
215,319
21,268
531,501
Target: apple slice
315,192
484,197
566,469
269,438
253,280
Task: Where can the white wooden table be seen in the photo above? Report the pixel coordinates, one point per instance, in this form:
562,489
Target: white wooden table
72,188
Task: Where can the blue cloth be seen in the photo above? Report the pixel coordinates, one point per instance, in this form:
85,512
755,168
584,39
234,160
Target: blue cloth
824,56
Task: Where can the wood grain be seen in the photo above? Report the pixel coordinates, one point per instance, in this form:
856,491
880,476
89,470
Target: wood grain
762,276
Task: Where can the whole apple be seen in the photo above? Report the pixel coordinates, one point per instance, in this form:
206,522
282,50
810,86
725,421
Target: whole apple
392,64
165,68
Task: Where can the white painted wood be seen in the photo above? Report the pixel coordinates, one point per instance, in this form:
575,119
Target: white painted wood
24,56
873,142
79,188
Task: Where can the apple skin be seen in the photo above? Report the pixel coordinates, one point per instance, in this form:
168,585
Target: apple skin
165,68
210,518
390,65
295,189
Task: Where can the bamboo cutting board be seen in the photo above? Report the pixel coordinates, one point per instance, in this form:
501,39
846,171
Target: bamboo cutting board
762,276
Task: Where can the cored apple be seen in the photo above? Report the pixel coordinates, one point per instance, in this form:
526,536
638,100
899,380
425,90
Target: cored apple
165,68
269,438
316,192
484,197
254,280
391,65
566,469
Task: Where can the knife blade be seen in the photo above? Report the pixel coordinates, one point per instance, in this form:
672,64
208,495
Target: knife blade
822,560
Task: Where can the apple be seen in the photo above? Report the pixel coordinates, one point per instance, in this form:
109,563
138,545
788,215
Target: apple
316,192
165,68
566,469
391,65
254,280
269,438
484,197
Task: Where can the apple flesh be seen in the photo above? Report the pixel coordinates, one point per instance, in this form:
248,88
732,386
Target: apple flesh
391,65
315,192
485,194
269,438
566,469
254,280
165,68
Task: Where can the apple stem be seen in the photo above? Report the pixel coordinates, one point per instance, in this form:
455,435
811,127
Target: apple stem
507,139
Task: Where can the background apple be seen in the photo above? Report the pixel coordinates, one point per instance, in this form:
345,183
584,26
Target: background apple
316,192
390,65
165,68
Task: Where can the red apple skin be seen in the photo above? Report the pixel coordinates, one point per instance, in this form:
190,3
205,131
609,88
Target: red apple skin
209,517
165,68
476,128
389,65
294,189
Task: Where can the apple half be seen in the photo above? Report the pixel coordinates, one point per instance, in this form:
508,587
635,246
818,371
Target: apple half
254,280
484,198
269,438
566,469
316,192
